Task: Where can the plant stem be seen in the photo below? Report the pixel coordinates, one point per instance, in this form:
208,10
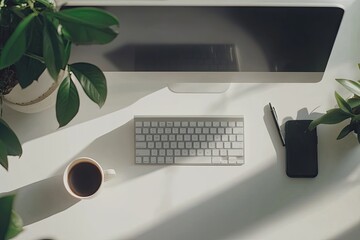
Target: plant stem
36,57
1,106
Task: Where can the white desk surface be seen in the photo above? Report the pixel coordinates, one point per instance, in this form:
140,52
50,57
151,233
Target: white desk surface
254,201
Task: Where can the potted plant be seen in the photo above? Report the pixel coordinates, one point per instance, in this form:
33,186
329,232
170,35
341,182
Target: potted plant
347,109
36,36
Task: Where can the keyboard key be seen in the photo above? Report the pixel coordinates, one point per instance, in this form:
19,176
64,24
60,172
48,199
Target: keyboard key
169,160
192,124
237,145
142,152
208,124
149,138
204,145
194,137
177,124
211,145
227,145
154,124
151,145
231,124
216,124
138,130
162,124
239,124
138,160
161,160
228,130
240,138
146,160
172,137
162,152
219,145
140,138
169,152
196,145
156,137
138,124
223,124
154,152
140,144
193,160
238,130
169,124
215,152
200,124
207,152
146,124
166,145
184,124
173,145
145,130
235,152
185,152
153,160
232,138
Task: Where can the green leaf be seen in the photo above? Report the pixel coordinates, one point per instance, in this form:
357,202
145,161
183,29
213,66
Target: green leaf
67,102
92,81
28,70
53,50
95,15
9,138
345,131
84,31
6,204
3,156
15,227
332,116
16,45
350,85
342,103
354,102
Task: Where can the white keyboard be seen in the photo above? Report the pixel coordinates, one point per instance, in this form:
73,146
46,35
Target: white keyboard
189,140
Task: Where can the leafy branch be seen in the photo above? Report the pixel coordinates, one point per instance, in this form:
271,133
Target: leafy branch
40,38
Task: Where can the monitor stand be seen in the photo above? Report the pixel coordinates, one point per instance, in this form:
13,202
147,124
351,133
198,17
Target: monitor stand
199,87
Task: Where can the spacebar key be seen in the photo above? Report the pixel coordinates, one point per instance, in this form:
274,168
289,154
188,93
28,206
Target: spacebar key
193,160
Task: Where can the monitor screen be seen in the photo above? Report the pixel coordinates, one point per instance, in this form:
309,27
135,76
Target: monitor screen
217,39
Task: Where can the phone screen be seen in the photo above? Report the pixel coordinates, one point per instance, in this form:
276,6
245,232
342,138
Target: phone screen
301,149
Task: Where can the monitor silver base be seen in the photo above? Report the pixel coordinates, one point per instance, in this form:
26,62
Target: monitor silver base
199,87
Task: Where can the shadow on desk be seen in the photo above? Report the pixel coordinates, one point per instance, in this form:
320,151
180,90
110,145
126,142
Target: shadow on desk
259,200
116,150
42,199
121,94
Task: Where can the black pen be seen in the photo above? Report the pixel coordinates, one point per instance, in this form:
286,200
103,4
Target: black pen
273,113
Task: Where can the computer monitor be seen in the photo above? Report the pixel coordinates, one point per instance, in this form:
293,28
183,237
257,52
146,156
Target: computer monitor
218,44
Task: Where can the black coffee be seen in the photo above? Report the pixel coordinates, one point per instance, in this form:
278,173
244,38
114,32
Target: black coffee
84,179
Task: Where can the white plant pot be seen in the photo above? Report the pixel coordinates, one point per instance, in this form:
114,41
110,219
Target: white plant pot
37,97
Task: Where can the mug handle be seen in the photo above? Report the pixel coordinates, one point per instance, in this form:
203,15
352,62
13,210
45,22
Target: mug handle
109,174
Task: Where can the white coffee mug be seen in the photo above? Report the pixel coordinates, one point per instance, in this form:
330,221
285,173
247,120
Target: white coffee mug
84,177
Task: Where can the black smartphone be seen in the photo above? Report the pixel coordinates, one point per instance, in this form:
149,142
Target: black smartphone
301,149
